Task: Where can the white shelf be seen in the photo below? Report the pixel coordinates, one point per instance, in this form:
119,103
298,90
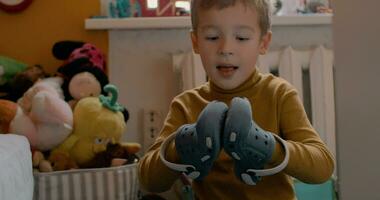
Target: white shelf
184,22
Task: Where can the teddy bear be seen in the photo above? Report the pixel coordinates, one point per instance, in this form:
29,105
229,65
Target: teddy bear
98,121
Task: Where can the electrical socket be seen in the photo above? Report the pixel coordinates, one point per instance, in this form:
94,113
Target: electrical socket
152,126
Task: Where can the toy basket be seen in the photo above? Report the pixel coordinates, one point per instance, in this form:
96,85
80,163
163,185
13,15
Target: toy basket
114,183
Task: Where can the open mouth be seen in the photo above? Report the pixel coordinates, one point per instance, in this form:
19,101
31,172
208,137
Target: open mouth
226,70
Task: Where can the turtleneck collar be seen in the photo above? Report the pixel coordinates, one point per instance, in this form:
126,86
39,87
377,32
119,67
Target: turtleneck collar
216,92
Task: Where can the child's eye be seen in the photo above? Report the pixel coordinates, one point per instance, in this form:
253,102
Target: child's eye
212,38
242,38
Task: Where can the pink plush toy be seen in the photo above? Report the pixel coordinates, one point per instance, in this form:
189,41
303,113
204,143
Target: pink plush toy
43,116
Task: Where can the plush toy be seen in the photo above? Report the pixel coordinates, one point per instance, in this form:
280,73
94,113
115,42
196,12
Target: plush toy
69,51
98,121
41,115
41,164
83,70
21,82
16,78
82,79
115,155
14,120
9,67
8,111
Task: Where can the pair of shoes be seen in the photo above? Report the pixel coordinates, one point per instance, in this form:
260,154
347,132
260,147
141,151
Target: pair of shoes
198,145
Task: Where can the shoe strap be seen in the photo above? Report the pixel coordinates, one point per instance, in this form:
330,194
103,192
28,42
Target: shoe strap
278,168
189,170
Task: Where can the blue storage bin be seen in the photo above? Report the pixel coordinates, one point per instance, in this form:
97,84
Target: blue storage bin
324,191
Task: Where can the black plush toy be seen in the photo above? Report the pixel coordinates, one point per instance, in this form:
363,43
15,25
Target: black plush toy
82,79
84,70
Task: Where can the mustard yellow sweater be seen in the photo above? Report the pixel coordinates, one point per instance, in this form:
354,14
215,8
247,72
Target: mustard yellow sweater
276,108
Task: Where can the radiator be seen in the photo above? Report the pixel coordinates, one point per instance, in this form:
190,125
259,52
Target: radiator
310,71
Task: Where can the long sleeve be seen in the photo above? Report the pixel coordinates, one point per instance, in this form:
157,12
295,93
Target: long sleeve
154,175
277,109
310,160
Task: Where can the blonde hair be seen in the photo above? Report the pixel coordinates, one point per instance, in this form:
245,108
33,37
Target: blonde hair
262,7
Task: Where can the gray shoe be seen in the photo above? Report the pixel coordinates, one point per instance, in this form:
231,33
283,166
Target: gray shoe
250,146
199,144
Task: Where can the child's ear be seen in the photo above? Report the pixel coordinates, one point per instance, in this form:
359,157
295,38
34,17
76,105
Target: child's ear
194,41
265,42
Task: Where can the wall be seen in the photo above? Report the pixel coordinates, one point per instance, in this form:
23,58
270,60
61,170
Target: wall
356,37
28,36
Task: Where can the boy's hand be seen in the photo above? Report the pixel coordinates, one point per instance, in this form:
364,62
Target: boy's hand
199,144
250,146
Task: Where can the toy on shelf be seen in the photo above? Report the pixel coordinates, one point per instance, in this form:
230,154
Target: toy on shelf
164,8
145,8
124,8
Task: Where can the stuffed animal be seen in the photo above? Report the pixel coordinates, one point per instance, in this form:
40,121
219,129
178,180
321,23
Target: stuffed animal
14,120
115,155
82,79
16,86
41,164
9,67
41,115
16,77
8,111
83,70
69,51
98,121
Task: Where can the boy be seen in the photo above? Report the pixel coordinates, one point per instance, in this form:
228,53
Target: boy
222,147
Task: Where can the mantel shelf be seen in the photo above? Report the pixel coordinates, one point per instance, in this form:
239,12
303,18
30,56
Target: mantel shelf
184,22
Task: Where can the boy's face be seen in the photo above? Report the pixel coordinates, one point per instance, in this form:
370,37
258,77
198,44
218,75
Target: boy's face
229,42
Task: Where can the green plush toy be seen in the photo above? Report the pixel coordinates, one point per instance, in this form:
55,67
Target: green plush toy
9,68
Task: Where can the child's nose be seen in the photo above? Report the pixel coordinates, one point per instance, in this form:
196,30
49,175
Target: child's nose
226,48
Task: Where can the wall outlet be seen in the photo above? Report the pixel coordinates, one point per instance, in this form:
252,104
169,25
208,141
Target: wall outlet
152,125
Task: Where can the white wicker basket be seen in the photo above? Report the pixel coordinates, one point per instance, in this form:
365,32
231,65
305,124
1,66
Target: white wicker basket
114,183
